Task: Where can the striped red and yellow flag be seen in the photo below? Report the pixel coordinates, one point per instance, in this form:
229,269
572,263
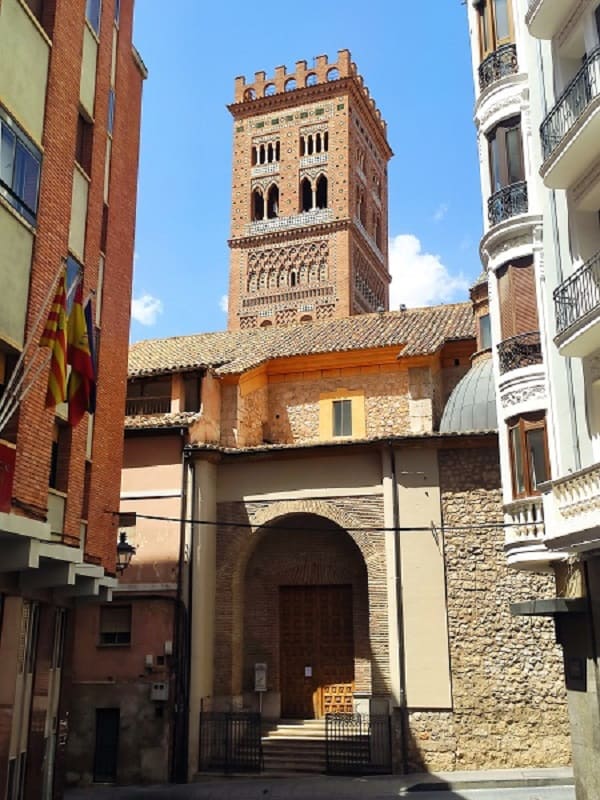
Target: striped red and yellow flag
79,355
54,336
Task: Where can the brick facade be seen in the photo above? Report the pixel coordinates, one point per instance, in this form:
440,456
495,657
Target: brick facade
297,262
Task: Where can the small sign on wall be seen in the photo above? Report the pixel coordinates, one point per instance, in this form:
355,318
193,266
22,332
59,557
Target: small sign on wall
260,677
308,672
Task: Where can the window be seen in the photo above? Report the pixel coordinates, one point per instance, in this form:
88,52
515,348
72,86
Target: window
83,144
321,191
117,11
273,202
59,458
495,25
517,297
506,154
191,391
20,162
528,454
306,195
43,11
342,417
485,333
111,111
258,205
92,14
149,396
115,625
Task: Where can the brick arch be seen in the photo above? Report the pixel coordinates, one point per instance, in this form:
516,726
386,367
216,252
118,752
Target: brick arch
231,576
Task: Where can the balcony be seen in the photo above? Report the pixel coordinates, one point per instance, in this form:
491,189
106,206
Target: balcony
544,17
508,202
571,132
142,406
317,216
523,350
499,64
577,310
524,535
572,506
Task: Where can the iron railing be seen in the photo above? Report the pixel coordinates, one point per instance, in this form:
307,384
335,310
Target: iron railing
508,202
578,294
147,405
584,87
358,744
522,350
230,742
498,64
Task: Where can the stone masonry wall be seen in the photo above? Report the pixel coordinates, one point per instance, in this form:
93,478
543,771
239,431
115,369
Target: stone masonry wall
508,694
389,409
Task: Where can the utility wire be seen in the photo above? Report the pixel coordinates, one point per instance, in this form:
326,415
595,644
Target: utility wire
369,528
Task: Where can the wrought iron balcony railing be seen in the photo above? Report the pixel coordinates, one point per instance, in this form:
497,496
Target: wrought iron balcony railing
147,405
508,202
578,294
584,87
522,350
500,63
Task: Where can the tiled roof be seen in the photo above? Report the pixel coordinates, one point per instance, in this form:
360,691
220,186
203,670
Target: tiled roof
417,331
180,419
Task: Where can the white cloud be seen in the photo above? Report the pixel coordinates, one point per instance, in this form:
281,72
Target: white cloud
418,278
145,309
224,303
440,212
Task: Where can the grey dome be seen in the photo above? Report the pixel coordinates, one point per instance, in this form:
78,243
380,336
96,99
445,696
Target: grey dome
472,404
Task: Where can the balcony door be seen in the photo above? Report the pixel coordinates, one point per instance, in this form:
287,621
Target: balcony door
495,25
506,154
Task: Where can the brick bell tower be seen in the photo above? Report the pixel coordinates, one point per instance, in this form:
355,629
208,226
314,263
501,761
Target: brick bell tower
309,213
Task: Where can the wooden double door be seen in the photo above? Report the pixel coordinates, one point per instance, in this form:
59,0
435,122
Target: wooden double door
316,650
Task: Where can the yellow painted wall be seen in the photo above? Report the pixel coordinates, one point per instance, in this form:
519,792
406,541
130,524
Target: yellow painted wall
16,244
79,203
151,463
423,582
87,87
331,476
24,55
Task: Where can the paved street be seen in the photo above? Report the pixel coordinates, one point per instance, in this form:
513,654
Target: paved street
317,788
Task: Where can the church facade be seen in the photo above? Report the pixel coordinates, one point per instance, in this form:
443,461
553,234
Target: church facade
317,490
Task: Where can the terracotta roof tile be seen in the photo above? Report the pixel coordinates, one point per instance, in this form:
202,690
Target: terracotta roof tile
417,331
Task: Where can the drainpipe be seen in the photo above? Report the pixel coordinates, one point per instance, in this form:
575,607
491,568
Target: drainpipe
181,648
399,614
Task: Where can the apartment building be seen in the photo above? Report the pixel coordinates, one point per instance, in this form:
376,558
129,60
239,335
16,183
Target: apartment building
70,94
537,64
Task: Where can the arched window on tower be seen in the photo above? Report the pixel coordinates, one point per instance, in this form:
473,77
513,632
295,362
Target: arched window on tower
293,278
261,154
254,156
377,230
310,144
325,141
302,145
270,152
258,205
322,191
273,201
318,143
277,150
305,195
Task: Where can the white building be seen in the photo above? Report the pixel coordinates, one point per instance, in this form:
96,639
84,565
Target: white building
536,67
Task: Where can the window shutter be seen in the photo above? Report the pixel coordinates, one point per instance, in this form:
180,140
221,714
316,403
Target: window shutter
524,296
506,309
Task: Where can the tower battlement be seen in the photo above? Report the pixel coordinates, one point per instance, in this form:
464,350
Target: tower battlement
303,78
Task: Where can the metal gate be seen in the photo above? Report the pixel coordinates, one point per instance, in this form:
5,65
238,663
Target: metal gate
358,744
230,742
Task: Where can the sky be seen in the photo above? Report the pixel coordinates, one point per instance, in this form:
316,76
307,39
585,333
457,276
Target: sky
415,59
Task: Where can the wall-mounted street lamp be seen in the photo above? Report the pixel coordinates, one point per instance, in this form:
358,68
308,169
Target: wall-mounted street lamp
125,552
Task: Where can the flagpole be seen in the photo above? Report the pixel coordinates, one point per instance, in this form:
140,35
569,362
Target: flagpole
6,414
11,390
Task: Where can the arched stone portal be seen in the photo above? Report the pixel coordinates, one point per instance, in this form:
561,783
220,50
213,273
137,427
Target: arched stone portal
305,600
